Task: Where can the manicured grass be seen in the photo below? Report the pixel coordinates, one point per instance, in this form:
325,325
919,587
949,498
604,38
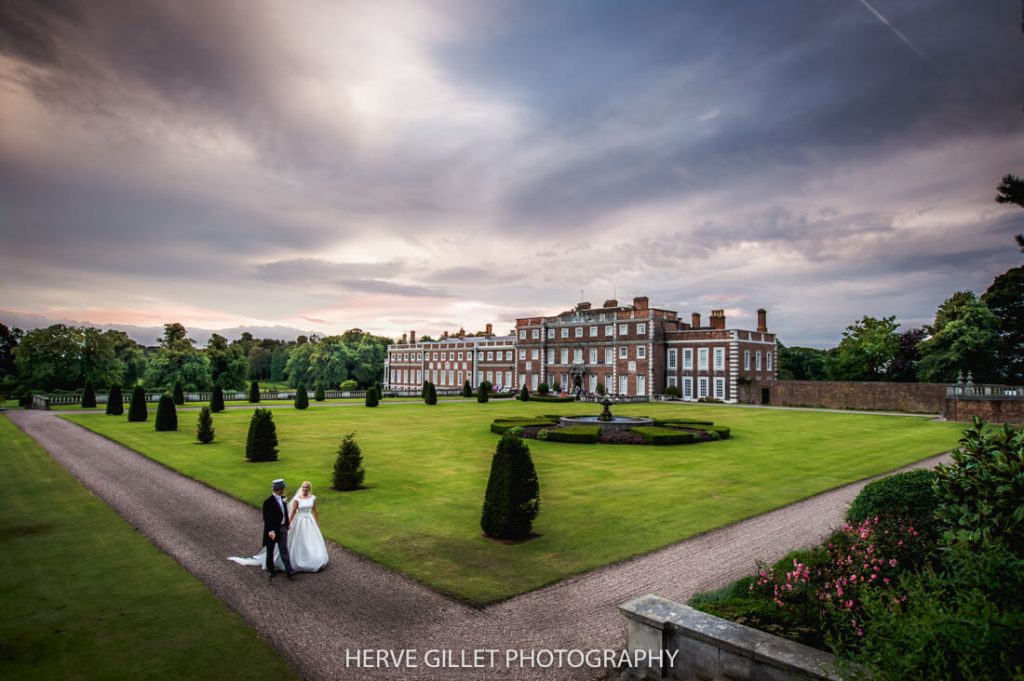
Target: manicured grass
85,596
427,467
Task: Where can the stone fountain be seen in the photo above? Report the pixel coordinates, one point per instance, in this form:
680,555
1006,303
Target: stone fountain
606,420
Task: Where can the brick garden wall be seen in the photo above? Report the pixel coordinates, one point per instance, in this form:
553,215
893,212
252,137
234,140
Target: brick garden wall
920,398
991,410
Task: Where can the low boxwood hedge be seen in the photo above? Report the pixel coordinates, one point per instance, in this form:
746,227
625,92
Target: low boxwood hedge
656,435
682,423
548,398
501,425
585,434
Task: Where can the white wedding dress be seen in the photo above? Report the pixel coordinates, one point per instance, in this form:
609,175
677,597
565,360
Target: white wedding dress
306,547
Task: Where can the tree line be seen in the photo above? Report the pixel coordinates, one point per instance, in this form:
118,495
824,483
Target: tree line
63,357
981,335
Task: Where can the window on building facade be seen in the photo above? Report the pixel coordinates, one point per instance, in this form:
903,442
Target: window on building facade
702,387
578,332
577,356
435,356
623,385
551,355
768,360
672,381
688,388
719,388
508,378
746,360
551,333
593,332
529,366
757,360
534,353
641,329
490,356
536,334
534,382
609,356
719,359
564,355
565,332
609,329
687,358
641,385
702,358
623,352
623,329
444,356
593,355
641,352
673,357
522,353
508,356
522,333
460,356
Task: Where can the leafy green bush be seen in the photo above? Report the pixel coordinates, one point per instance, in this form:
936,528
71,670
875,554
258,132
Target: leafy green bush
723,432
204,426
542,389
908,496
673,391
254,392
166,414
301,397
584,434
512,499
319,394
137,407
115,403
89,396
348,385
600,388
959,620
483,393
261,442
524,394
348,467
655,435
179,393
981,494
217,399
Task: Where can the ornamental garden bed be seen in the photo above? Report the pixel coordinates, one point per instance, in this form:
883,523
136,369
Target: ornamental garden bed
662,433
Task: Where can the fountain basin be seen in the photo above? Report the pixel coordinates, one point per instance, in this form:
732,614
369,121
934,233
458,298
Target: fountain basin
616,422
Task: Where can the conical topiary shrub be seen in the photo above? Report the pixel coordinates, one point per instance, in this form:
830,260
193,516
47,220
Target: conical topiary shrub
319,395
482,392
423,391
372,400
467,389
166,414
204,427
179,393
217,399
512,500
254,392
431,394
348,467
524,394
137,408
115,403
89,396
301,397
261,443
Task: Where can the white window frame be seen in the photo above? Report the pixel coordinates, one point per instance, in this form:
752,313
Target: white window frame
687,388
577,355
535,353
593,355
673,358
522,353
671,381
641,329
624,385
609,330
565,332
623,329
757,360
641,384
719,359
719,388
623,352
768,359
746,360
702,359
522,333
578,332
551,333
609,356
688,358
551,355
641,352
536,334
564,356
490,356
702,387
593,332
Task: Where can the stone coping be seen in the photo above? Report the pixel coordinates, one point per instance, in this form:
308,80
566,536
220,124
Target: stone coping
675,618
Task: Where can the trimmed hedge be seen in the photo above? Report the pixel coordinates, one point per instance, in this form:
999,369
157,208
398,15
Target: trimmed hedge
909,495
89,396
137,407
166,414
500,426
301,397
680,423
539,398
217,399
655,435
115,403
261,442
583,434
512,499
204,426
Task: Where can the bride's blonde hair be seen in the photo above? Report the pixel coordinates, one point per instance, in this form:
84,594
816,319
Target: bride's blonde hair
304,483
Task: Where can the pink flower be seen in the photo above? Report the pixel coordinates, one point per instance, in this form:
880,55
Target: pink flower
892,562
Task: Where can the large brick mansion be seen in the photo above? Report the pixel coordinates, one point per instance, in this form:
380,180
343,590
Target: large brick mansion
633,350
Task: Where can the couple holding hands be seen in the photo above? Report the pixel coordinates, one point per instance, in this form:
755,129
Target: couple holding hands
293,530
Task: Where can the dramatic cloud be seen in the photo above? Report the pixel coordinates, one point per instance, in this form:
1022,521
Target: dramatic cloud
398,165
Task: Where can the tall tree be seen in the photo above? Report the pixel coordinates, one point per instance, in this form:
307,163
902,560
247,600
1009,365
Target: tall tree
277,363
1011,190
802,364
867,350
1005,297
259,362
228,366
61,356
905,363
177,359
963,338
9,339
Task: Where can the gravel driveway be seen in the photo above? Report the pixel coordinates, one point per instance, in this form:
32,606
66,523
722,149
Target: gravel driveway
319,622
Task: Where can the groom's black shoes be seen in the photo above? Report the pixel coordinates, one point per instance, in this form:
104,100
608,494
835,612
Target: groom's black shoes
272,575
290,575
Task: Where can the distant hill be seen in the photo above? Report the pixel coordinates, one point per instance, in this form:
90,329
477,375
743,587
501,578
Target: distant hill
150,335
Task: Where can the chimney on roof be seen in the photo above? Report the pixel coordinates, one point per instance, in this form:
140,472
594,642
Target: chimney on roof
762,321
405,338
490,330
583,306
412,336
462,332
718,319
641,302
695,320
444,336
611,302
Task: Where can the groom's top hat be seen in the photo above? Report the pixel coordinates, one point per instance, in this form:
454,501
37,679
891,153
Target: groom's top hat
278,484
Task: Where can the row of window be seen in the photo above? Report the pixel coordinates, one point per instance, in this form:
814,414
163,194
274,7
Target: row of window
628,385
491,356
718,358
702,384
577,354
449,378
593,332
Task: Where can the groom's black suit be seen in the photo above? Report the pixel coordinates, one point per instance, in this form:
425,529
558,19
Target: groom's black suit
275,519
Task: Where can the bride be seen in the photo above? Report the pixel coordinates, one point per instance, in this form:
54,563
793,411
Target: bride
306,546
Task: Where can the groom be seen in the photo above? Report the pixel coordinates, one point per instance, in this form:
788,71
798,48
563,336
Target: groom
275,529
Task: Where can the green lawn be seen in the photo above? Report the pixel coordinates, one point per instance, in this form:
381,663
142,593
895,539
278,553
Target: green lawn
85,596
427,469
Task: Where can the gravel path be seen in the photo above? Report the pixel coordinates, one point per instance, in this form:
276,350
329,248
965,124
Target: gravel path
355,604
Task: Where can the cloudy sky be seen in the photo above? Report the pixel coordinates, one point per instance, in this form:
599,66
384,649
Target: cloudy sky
425,165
